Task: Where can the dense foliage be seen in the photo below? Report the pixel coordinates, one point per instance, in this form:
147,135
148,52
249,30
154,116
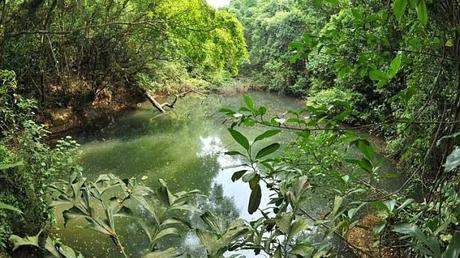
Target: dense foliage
388,67
72,53
27,163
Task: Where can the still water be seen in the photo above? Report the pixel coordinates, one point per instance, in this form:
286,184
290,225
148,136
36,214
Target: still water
184,147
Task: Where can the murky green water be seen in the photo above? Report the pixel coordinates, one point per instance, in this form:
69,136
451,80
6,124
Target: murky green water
184,147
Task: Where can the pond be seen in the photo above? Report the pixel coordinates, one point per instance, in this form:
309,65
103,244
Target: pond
184,147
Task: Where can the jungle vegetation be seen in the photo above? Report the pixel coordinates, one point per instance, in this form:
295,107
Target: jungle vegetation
389,68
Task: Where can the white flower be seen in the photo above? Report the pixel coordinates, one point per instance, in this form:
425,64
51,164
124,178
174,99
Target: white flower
280,120
237,115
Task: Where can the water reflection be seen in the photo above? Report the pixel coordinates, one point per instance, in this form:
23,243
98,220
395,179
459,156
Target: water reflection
238,191
185,148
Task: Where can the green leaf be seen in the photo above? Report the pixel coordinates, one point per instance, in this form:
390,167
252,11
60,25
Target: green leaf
303,250
238,174
18,241
338,200
249,176
234,153
453,249
395,66
227,111
377,75
168,253
296,227
4,206
249,102
284,222
268,150
449,43
405,203
363,163
165,232
390,205
399,7
267,134
453,160
365,147
379,228
422,12
12,165
254,182
405,229
254,199
239,138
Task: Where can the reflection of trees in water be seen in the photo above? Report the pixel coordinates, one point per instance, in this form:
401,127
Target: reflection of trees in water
175,161
219,204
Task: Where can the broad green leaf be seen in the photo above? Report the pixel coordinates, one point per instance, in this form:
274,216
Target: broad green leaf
365,147
254,182
377,75
422,12
363,163
268,150
249,176
283,222
395,66
238,174
399,7
254,199
390,205
267,134
453,160
249,102
165,232
239,138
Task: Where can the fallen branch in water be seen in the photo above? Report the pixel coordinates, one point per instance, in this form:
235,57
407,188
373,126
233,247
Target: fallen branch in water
161,106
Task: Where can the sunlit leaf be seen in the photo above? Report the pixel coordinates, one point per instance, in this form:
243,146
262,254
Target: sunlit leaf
4,206
239,138
422,12
377,75
267,134
10,165
249,102
450,43
399,7
395,65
